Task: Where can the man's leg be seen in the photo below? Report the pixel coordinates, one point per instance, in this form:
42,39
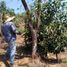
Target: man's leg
6,54
12,51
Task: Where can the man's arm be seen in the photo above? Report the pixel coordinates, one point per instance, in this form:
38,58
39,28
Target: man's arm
13,27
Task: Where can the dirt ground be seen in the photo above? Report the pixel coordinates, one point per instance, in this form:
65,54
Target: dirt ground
27,61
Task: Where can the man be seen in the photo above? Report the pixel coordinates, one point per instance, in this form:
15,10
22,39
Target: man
8,30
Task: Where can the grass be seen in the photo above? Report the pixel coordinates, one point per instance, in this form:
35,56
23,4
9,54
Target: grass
64,61
28,65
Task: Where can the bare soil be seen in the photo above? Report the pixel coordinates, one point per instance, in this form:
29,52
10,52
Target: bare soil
27,61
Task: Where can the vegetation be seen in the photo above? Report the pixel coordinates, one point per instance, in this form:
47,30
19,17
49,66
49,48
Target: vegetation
65,61
53,27
45,26
48,21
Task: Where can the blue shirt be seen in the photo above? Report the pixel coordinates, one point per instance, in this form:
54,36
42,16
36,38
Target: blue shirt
8,30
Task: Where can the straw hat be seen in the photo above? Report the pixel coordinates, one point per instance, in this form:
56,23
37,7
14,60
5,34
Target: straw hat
7,18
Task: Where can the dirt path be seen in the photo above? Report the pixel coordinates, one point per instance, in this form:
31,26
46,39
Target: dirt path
29,62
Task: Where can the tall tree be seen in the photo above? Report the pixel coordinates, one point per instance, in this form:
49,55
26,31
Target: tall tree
53,20
47,29
33,29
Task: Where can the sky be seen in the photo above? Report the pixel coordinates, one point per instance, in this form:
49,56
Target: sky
15,4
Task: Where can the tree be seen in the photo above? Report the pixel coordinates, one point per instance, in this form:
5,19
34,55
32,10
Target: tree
46,23
10,11
52,28
2,7
33,29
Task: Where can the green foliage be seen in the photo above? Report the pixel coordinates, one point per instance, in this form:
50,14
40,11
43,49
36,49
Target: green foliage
28,65
19,20
53,27
53,37
64,61
52,34
11,12
5,10
2,7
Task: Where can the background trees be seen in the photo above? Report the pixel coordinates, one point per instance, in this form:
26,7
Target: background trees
45,25
52,27
2,9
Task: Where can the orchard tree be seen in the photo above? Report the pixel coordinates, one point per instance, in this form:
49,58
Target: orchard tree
46,23
53,28
32,28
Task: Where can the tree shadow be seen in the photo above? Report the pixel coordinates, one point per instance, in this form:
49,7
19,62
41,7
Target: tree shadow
51,60
24,51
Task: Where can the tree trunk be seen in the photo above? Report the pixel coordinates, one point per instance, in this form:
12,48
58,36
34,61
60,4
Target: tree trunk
57,56
33,31
34,38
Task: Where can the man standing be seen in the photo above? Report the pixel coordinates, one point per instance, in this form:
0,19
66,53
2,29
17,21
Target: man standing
8,30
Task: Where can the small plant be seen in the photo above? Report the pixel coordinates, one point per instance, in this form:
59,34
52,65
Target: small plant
64,61
28,65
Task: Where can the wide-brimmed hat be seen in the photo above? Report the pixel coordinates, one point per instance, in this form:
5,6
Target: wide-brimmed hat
8,18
